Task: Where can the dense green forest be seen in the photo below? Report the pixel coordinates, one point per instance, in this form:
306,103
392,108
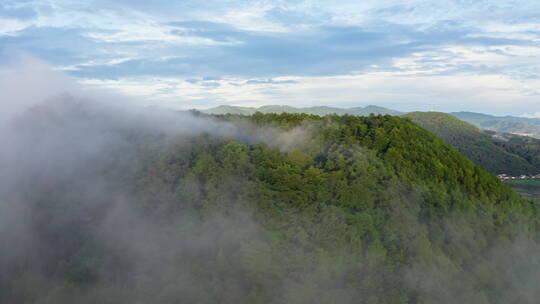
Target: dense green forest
497,152
101,206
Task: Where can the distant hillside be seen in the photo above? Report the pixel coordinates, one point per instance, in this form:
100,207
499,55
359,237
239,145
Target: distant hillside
321,111
525,147
220,110
498,153
508,124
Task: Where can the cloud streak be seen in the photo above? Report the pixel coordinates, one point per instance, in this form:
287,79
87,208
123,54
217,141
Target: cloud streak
237,41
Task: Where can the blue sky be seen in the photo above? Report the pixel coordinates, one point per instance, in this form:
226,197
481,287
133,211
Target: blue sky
409,55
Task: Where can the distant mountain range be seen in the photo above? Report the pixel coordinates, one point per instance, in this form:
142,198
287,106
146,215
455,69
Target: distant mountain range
508,124
321,111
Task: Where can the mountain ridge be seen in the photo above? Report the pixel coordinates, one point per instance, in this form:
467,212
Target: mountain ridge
314,110
509,124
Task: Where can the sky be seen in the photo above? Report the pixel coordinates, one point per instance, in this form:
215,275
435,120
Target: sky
451,55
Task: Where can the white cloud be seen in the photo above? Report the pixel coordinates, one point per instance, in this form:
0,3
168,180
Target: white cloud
9,27
494,94
531,115
452,75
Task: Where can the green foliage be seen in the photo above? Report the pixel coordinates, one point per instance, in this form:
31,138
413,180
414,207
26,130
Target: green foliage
370,210
498,153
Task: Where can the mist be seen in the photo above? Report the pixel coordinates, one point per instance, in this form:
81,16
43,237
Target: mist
103,200
70,207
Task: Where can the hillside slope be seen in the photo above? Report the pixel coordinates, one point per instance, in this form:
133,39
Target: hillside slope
483,148
163,207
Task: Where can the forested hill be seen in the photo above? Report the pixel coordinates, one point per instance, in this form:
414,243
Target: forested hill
103,207
497,152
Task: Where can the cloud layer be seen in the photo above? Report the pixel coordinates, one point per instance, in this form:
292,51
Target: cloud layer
450,55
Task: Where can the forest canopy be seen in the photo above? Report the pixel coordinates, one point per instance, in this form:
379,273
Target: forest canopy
168,207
